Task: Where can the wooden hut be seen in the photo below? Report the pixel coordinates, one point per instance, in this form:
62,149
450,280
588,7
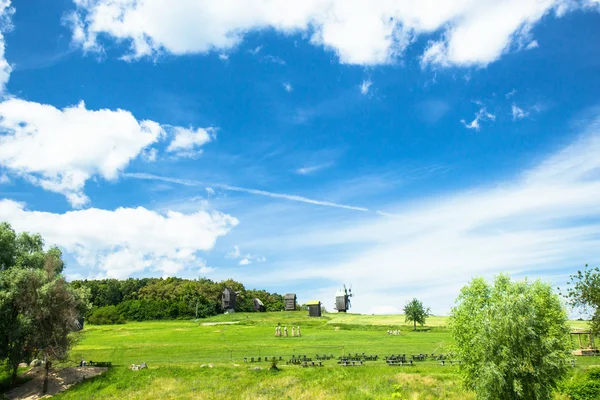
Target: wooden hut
290,302
258,305
228,300
314,308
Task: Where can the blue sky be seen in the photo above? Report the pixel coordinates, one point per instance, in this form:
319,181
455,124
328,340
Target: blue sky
396,146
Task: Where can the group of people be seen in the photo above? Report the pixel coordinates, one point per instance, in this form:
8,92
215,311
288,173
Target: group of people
396,332
295,331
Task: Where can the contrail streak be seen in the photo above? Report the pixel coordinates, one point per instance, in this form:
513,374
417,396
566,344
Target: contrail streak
284,196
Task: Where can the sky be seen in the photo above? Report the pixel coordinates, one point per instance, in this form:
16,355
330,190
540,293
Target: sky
399,147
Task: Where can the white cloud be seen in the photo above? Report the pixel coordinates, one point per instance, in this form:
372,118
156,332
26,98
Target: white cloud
6,12
235,253
223,57
532,45
518,113
60,150
365,86
4,179
255,50
544,221
474,32
481,115
273,59
312,168
288,87
510,94
150,155
119,243
245,259
187,142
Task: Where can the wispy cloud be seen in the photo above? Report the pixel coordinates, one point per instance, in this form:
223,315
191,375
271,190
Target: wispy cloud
365,86
258,192
255,50
532,45
481,115
245,259
313,168
518,113
510,94
288,87
273,59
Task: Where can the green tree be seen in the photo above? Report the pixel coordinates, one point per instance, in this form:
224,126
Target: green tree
415,312
584,292
38,308
511,338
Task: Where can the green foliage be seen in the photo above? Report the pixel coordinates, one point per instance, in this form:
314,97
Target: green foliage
584,385
584,292
8,250
171,298
107,315
416,313
38,308
512,338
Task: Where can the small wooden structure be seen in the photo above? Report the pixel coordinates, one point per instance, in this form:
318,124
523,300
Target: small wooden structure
591,349
290,302
314,308
258,305
228,300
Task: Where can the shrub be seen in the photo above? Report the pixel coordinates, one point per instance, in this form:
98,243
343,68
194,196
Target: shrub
108,315
583,385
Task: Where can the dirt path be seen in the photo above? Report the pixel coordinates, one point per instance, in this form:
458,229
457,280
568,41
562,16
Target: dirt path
58,381
220,323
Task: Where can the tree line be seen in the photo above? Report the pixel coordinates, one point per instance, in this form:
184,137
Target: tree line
117,301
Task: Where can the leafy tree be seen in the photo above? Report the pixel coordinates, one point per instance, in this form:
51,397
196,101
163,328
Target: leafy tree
511,338
8,249
416,313
38,308
584,292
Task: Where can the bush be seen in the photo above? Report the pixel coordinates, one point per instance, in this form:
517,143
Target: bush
583,385
108,315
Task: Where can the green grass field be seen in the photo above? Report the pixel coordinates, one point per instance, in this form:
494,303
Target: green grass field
177,350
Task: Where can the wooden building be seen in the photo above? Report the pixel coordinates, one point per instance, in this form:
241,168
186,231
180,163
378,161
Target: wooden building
228,299
314,308
258,305
290,302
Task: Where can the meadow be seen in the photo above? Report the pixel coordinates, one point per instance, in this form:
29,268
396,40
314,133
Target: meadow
204,359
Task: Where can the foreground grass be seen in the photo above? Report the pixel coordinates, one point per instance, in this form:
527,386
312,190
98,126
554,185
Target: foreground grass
178,354
226,382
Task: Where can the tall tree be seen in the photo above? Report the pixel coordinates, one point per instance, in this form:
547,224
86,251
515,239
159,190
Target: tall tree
415,312
38,308
584,292
511,338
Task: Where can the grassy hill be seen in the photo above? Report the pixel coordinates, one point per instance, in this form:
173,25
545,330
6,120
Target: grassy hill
179,354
